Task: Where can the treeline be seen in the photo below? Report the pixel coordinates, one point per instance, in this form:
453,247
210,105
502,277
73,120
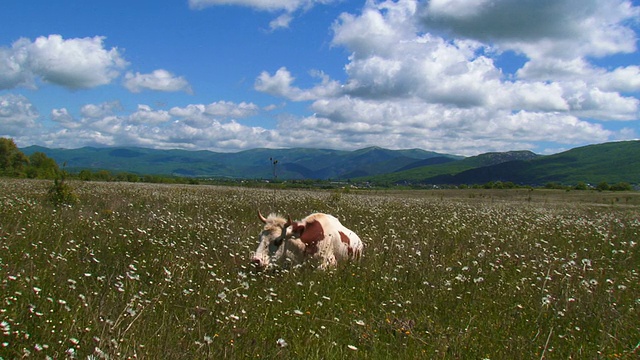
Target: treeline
602,186
14,163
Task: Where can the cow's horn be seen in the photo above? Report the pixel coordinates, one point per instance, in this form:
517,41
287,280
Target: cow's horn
262,218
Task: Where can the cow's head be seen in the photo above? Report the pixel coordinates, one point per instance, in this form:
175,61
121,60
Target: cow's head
270,249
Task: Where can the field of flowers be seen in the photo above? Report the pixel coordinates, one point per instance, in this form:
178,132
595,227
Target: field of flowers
161,271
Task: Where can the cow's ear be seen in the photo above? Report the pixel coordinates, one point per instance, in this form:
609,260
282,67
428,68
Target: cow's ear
296,228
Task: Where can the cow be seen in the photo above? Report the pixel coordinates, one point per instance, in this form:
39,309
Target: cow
319,237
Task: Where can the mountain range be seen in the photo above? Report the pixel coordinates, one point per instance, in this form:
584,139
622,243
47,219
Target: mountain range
611,162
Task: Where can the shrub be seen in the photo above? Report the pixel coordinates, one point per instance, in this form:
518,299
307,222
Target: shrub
61,193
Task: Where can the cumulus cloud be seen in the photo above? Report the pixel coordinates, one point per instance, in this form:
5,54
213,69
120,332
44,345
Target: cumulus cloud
228,109
425,74
158,80
100,110
73,63
280,84
17,115
212,126
561,27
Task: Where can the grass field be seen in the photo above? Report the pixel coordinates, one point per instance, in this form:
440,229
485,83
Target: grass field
161,272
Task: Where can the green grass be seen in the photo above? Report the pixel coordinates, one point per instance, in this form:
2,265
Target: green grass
157,271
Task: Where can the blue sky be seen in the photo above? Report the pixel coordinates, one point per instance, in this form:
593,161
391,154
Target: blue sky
454,76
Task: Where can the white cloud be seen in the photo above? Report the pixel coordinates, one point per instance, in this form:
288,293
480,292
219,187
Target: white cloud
561,28
158,80
17,115
624,79
100,110
203,114
146,115
195,126
73,63
408,86
280,85
227,109
64,119
281,21
12,67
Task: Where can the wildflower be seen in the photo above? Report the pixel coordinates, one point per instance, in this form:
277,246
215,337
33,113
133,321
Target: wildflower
5,327
359,322
281,343
351,347
298,312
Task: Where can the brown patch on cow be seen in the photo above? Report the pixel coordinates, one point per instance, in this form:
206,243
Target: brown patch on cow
344,238
311,233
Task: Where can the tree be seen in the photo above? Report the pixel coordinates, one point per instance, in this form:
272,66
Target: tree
621,186
85,175
12,161
581,186
602,186
42,167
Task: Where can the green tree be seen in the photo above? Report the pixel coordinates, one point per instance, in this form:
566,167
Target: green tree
42,167
85,175
12,161
581,186
602,186
621,186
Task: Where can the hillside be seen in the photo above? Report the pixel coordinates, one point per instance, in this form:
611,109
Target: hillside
299,163
423,174
610,162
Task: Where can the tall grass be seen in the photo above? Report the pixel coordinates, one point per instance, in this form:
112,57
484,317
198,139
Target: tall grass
156,271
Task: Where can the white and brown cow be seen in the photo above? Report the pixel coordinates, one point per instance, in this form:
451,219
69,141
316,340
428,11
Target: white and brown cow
318,237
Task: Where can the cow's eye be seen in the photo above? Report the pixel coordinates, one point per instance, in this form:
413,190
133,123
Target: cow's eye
277,242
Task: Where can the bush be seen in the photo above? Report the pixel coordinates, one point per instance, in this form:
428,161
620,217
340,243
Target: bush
61,193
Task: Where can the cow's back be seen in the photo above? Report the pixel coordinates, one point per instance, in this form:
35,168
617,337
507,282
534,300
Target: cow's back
343,242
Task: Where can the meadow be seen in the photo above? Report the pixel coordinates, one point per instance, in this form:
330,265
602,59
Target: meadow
144,271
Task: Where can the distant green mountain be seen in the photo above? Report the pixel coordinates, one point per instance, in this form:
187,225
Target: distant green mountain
299,163
424,174
609,162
